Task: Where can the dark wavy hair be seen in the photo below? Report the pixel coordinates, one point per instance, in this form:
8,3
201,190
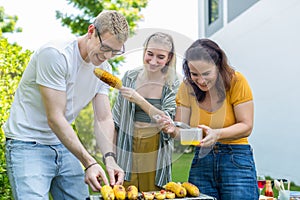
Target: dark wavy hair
208,51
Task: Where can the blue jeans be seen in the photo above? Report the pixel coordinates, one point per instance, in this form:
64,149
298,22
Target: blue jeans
34,170
227,172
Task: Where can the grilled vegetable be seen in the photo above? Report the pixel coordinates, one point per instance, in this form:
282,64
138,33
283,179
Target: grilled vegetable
176,188
191,189
161,195
120,192
148,195
107,193
170,195
108,78
132,192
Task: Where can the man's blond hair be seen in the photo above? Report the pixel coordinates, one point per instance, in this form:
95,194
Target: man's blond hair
113,22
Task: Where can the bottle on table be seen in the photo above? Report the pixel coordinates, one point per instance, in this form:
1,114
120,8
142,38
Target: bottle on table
269,190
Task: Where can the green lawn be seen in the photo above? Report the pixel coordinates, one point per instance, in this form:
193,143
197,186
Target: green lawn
181,166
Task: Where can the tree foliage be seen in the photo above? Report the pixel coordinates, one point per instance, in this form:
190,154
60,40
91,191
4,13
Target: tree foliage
12,64
89,9
8,23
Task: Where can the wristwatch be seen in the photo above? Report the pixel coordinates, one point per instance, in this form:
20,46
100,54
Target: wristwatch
112,154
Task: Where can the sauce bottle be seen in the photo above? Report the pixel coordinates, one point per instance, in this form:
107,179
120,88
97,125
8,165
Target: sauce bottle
269,190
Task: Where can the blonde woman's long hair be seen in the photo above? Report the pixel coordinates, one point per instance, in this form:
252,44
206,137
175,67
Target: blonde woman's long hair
165,40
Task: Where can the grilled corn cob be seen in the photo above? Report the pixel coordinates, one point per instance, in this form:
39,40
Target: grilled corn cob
176,188
107,193
120,192
108,78
148,195
191,189
132,192
161,195
170,195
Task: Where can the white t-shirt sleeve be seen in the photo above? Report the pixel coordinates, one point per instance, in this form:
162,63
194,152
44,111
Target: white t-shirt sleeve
51,69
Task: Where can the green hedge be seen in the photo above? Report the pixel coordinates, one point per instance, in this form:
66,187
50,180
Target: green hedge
13,61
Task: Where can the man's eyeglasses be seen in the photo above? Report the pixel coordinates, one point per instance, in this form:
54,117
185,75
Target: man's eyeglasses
105,48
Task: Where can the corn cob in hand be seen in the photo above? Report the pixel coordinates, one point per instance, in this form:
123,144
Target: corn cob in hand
108,78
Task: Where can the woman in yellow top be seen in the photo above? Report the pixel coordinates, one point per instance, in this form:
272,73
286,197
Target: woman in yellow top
218,99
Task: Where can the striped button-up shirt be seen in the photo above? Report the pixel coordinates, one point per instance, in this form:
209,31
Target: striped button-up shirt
123,114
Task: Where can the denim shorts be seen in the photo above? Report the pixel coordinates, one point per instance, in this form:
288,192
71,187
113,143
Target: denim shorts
34,170
227,172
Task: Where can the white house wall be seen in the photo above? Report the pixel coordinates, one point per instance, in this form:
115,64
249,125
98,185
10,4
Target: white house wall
264,44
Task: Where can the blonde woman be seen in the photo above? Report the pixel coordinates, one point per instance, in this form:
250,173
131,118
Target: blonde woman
143,150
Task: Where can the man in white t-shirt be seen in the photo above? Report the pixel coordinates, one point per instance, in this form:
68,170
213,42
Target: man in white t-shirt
43,153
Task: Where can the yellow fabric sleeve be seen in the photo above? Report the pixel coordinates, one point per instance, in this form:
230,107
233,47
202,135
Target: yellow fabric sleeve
239,92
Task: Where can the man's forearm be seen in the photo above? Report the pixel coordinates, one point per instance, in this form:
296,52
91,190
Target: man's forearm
68,137
105,135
